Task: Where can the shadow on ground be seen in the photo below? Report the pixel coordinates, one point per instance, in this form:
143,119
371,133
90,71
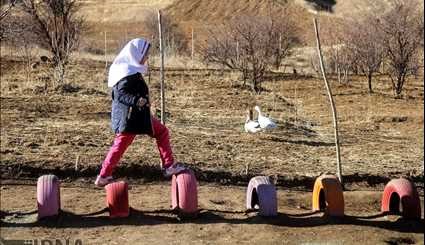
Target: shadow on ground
101,218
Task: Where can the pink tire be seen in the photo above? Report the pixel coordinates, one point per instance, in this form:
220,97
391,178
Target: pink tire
401,192
48,196
117,199
184,192
261,194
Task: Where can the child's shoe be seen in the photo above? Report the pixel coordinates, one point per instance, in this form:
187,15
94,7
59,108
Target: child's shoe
174,169
102,181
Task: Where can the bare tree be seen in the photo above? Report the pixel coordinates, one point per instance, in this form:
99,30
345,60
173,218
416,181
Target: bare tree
58,28
5,9
283,37
254,39
338,56
362,41
249,45
17,31
402,31
336,52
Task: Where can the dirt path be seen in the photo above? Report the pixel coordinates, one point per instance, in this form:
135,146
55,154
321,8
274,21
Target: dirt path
222,219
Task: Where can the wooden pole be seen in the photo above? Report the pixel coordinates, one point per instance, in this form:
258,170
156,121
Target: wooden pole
104,36
161,71
193,46
237,51
149,73
334,114
106,59
280,43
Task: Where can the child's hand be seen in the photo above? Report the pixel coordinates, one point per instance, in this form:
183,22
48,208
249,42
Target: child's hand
142,102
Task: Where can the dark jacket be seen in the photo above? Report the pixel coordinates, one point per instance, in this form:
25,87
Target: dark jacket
126,116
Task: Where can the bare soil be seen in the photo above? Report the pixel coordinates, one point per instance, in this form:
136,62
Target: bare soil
222,219
66,131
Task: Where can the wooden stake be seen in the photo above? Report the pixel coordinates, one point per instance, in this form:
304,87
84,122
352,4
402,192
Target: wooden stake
193,46
106,60
77,160
237,51
334,114
161,71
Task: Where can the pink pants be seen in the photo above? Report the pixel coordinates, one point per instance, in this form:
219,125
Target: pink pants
123,140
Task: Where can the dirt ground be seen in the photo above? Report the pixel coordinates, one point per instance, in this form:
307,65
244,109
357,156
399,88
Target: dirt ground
381,137
222,220
66,131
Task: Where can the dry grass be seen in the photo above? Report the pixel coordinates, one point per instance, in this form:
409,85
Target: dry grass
380,135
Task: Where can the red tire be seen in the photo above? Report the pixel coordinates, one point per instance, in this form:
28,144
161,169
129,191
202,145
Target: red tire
401,192
261,193
48,196
184,192
117,199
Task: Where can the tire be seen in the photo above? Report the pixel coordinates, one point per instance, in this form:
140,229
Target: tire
184,193
328,196
401,192
117,199
261,194
48,196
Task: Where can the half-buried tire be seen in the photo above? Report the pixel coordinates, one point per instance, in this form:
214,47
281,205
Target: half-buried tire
401,193
117,199
48,196
184,193
261,194
328,195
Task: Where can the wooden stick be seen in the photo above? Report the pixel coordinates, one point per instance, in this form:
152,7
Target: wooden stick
161,71
77,161
105,47
334,114
193,47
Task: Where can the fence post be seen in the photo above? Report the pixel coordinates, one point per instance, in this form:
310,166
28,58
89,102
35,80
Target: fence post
105,57
237,51
193,47
161,71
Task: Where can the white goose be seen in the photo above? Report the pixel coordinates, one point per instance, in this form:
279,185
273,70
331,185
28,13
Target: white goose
251,126
264,122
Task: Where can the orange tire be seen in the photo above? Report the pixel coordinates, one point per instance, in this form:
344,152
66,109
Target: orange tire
401,192
328,195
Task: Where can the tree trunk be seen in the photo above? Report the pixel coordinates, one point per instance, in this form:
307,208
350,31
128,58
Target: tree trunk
339,75
59,72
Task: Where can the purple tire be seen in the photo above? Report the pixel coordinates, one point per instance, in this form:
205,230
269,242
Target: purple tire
261,194
48,196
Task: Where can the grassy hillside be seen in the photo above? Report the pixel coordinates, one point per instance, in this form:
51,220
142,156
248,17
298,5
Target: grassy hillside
115,11
123,20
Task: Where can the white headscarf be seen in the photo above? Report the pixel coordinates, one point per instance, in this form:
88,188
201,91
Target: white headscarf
127,61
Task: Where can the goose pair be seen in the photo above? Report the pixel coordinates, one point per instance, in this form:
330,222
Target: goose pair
262,122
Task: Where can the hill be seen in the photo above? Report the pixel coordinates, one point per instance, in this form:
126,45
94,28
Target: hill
123,20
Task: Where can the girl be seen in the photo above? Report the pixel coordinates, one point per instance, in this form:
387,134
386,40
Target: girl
131,113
